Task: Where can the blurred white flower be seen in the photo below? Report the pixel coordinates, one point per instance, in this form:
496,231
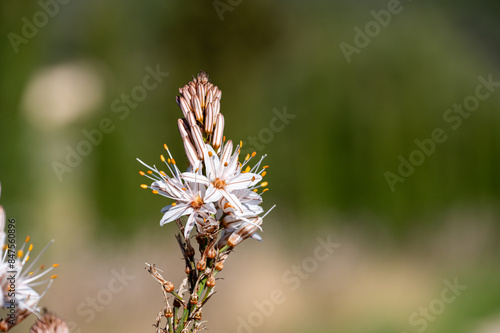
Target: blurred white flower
59,95
19,276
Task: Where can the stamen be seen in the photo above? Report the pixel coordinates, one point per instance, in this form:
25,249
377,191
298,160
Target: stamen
162,158
142,173
144,186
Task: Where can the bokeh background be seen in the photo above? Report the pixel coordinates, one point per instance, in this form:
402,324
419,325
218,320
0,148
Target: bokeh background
349,121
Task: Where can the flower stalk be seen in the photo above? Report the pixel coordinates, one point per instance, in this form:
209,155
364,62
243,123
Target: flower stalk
219,196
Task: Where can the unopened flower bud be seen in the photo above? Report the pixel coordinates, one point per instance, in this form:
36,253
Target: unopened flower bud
194,298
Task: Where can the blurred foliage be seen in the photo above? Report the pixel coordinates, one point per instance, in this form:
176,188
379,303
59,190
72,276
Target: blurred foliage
352,120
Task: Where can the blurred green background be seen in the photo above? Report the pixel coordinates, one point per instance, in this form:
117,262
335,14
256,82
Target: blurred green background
350,120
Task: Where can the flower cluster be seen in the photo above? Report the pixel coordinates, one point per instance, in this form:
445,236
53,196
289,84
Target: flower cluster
19,276
219,194
217,190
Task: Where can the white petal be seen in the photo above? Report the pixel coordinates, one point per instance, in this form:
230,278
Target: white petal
175,212
212,163
212,194
195,178
242,180
189,225
233,200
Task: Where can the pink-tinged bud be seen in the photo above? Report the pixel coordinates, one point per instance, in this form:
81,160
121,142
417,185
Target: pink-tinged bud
218,133
209,119
185,93
198,141
192,89
191,120
218,92
243,233
190,152
216,107
183,130
196,105
210,96
184,106
200,89
226,153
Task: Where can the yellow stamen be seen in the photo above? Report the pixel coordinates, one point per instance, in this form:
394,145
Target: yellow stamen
142,173
42,267
55,265
20,253
224,138
27,257
27,239
265,167
174,204
172,161
144,186
247,157
163,173
54,276
165,146
210,154
254,153
155,192
266,189
247,168
263,184
150,172
255,190
264,173
30,273
169,161
241,143
30,248
162,158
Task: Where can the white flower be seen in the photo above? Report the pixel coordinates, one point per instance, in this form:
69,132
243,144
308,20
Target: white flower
190,198
19,272
224,175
